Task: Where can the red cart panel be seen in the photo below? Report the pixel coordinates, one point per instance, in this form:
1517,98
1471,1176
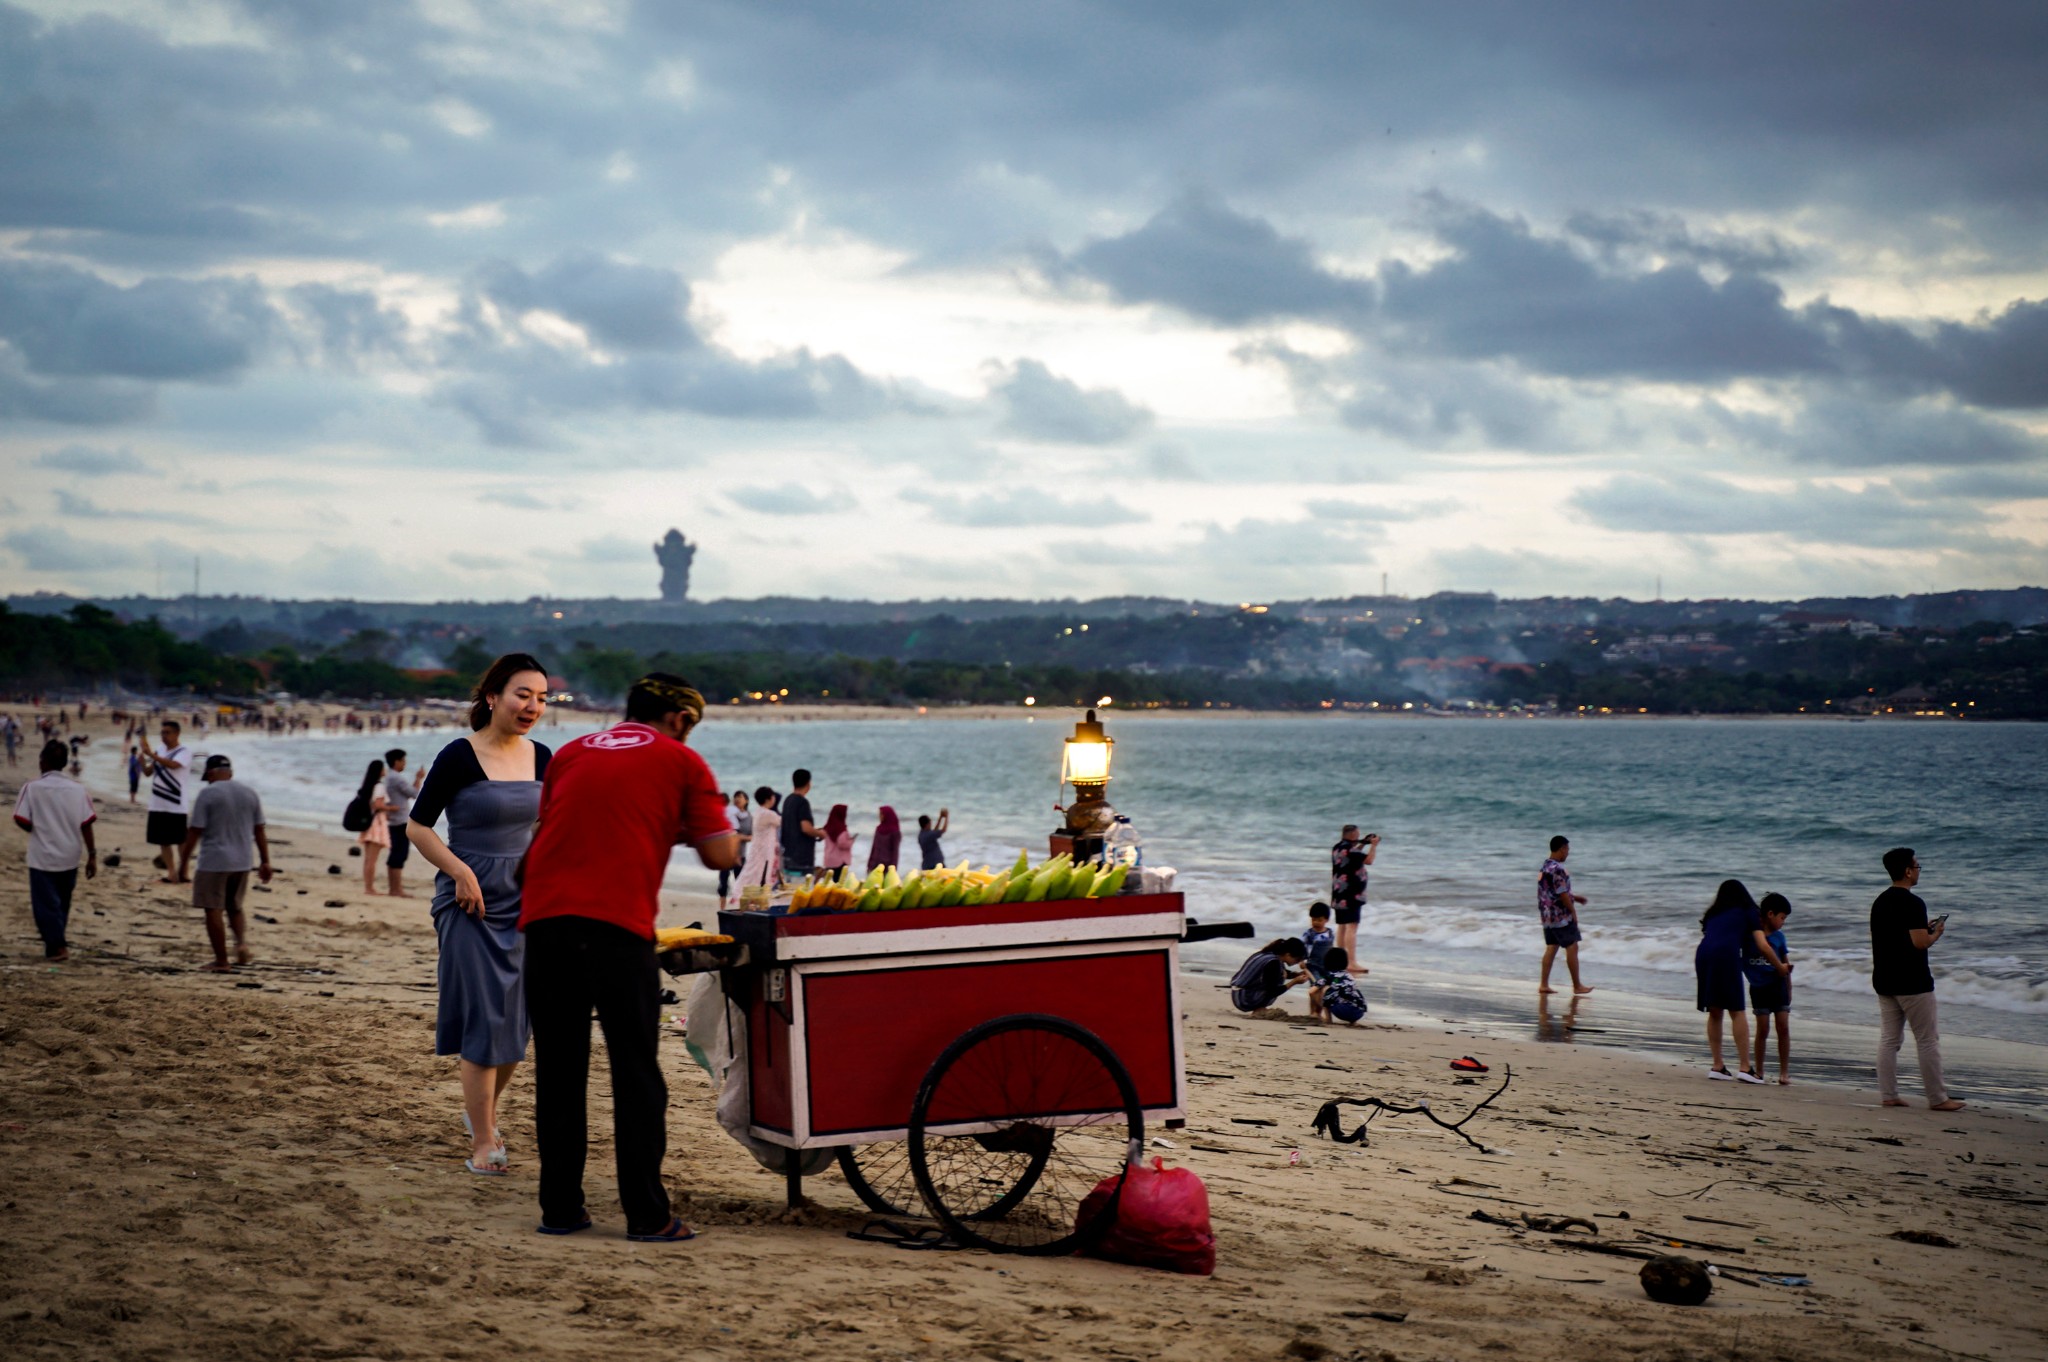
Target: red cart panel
887,1025
847,1012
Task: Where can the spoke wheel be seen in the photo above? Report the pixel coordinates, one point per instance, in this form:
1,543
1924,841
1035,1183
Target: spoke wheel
1015,1124
880,1176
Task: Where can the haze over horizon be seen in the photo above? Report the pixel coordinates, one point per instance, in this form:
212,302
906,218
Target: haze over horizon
441,300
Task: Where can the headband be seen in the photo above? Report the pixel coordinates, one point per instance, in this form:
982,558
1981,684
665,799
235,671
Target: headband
681,696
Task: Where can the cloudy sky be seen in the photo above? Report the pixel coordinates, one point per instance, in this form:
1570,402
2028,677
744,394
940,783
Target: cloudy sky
423,299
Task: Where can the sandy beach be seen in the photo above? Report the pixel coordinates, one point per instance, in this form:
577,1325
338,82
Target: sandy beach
269,1164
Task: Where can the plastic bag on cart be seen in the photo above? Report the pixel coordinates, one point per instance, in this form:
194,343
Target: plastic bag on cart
720,1048
1162,1220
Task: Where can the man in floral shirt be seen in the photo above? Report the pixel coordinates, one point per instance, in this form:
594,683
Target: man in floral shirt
1348,860
1557,904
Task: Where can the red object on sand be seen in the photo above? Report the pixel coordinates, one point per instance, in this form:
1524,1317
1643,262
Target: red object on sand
1468,1065
1162,1220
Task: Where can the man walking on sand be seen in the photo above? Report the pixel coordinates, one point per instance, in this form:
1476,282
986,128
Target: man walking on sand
1900,936
57,814
612,805
399,794
169,770
226,822
1558,906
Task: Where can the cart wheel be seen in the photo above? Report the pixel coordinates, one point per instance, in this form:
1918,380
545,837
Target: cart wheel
1014,1125
880,1176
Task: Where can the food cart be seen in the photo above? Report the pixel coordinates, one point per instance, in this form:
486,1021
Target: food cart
990,1061
992,1064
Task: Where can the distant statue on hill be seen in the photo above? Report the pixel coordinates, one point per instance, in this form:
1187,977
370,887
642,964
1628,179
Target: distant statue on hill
675,555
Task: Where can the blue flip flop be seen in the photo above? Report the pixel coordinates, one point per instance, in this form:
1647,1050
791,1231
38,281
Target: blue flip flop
675,1232
583,1224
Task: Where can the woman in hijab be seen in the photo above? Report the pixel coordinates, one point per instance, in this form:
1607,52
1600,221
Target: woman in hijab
887,846
836,853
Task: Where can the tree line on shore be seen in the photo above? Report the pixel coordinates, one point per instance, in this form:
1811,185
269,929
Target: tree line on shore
1987,672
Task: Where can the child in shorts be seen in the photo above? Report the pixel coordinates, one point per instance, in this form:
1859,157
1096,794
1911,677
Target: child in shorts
1337,998
1318,938
1770,993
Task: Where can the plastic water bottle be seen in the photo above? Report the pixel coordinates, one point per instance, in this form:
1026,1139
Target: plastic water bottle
1123,845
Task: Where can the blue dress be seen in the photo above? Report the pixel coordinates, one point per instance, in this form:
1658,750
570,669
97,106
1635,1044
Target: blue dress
1717,962
490,822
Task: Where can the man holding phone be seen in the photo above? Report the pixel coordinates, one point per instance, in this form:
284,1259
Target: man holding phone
1900,936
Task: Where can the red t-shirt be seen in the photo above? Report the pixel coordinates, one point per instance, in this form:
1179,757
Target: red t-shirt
611,806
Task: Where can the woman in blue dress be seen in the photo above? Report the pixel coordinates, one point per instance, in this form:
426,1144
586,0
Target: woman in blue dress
489,786
1732,929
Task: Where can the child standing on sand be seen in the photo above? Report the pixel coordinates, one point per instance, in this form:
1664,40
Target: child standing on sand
1770,993
1336,998
1318,938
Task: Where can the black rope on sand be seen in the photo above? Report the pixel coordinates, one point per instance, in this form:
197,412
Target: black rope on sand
1329,1122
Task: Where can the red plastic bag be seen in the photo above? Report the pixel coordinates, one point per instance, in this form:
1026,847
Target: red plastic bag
1162,1220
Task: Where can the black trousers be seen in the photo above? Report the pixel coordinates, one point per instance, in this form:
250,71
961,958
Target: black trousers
574,966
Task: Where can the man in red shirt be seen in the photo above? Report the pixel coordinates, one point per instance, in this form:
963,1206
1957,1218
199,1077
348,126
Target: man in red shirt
611,806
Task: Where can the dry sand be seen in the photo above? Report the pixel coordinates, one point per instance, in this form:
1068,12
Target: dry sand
269,1164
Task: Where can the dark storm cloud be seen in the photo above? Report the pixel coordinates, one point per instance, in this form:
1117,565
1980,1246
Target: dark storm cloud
351,324
622,306
1506,293
1039,404
1639,233
73,323
1876,516
1202,257
89,462
68,401
1855,433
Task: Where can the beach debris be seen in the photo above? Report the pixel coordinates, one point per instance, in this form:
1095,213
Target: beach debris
1926,1237
1557,1224
1672,1280
1490,1218
1709,1220
1786,1280
334,870
1448,1276
1676,1241
335,903
1251,1121
1884,1139
1468,1065
355,851
1329,1120
1390,1316
113,861
1307,1349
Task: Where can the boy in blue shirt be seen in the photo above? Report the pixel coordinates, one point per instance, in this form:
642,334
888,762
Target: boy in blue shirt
1318,938
1770,993
1336,998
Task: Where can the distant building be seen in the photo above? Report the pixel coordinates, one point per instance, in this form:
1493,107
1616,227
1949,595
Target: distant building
675,554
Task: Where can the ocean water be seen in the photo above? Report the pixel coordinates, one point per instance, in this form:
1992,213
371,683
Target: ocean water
1658,812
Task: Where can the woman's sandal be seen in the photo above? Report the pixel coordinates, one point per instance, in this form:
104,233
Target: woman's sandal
487,1171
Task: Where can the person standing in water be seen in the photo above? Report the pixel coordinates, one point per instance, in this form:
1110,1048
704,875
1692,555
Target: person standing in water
488,785
1559,908
1348,861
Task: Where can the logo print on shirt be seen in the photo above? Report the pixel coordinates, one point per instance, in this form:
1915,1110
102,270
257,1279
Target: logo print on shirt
614,740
